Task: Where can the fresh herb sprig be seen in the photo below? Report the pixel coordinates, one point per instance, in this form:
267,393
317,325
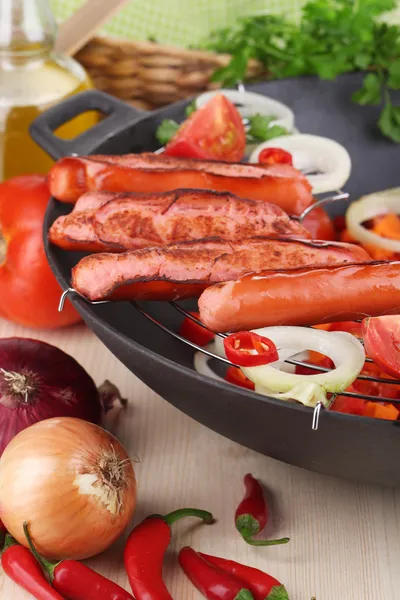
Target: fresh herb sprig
332,37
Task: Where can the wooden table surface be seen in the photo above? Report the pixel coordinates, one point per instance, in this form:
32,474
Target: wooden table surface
345,538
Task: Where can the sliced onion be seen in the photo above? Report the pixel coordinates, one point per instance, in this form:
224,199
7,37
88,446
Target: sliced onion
201,361
249,103
346,352
368,207
329,159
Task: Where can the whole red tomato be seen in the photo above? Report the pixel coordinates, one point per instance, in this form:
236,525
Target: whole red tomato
214,132
29,292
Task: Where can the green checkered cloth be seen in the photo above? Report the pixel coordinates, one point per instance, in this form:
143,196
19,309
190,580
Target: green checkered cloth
183,22
179,22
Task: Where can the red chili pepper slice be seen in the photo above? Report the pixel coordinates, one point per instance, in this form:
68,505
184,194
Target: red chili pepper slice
21,566
145,549
211,581
261,585
236,376
194,332
273,156
252,514
76,581
248,349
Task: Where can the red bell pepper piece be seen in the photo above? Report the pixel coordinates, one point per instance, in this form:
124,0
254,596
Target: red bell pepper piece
21,566
76,581
273,156
248,349
252,514
236,376
261,585
145,549
211,581
194,332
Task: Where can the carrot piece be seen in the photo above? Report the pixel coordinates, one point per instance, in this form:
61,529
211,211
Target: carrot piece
381,411
388,226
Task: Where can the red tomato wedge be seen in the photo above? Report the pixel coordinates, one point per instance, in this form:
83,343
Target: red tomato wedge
382,342
193,332
214,132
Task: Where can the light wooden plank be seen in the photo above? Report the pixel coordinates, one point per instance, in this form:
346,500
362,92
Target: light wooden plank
345,538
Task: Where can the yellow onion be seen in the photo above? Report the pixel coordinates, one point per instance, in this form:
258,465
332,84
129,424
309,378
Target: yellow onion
73,483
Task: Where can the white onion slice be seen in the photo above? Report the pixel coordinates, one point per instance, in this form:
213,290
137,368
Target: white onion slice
368,207
328,158
201,361
346,352
249,103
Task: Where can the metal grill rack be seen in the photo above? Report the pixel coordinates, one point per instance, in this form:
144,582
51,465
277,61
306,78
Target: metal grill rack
339,195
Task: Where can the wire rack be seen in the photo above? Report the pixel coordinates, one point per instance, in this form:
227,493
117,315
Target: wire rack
339,195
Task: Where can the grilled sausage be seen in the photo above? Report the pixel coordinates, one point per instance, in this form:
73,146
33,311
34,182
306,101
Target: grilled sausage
76,231
302,296
128,221
283,185
185,270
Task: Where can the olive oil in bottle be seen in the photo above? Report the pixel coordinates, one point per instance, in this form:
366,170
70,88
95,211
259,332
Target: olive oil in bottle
33,78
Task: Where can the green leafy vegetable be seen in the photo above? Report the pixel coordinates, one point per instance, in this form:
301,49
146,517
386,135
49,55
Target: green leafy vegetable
371,91
166,130
191,108
332,37
235,71
389,122
262,130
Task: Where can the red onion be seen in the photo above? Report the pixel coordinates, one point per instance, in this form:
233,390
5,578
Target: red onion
39,381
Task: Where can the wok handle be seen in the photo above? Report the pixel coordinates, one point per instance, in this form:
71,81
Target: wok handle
117,113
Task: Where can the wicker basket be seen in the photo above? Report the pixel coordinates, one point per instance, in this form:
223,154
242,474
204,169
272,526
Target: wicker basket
149,75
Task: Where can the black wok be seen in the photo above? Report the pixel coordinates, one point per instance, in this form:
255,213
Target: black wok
351,447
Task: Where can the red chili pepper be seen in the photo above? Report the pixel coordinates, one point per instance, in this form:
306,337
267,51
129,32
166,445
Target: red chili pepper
76,581
21,566
194,332
236,376
272,156
261,585
145,550
211,581
248,349
252,514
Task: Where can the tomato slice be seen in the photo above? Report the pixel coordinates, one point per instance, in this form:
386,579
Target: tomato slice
248,349
320,225
195,333
214,132
273,156
382,342
237,377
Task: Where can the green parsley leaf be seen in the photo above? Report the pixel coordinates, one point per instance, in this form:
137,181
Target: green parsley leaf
276,131
261,129
389,122
371,91
235,71
394,75
259,125
191,108
166,131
